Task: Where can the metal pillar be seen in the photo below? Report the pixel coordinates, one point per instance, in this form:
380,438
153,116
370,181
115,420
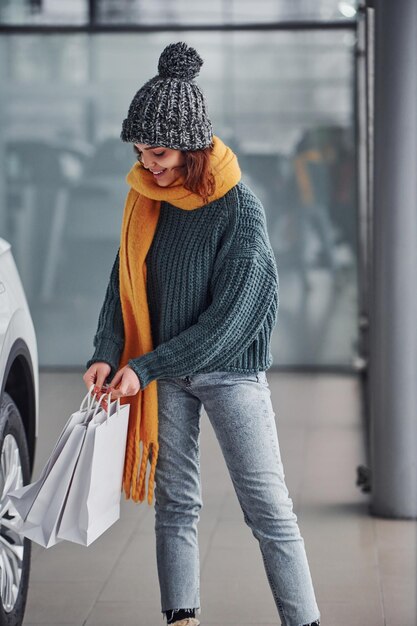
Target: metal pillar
393,329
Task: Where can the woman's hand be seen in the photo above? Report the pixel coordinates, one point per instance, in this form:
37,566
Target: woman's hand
127,382
96,375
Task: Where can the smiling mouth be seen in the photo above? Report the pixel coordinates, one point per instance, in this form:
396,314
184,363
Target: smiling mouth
158,173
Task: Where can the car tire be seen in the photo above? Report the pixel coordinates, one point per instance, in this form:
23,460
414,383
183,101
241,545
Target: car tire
14,465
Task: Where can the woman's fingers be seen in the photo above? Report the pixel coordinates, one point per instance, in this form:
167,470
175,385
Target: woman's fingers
100,380
116,393
122,390
89,378
117,381
117,378
125,383
96,375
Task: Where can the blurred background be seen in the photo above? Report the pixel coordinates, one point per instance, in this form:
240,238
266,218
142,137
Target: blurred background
282,98
318,99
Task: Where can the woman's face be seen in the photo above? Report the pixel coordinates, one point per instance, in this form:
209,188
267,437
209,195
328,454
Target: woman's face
165,163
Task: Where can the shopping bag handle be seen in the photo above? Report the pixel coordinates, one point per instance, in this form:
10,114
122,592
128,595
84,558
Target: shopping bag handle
90,399
109,404
109,407
98,405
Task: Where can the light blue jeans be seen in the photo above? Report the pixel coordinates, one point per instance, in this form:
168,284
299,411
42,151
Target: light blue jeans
239,408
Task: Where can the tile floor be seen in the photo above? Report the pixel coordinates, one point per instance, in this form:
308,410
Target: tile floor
363,568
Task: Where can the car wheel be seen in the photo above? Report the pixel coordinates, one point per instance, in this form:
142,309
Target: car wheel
15,550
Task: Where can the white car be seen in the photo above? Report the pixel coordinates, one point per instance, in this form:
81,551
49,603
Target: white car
19,411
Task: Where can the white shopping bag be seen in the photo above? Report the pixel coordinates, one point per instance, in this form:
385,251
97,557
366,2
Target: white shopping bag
93,502
23,498
43,501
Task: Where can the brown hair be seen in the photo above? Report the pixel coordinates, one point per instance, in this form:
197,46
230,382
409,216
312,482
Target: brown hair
199,177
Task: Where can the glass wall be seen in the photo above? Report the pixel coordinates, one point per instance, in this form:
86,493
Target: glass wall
282,100
179,12
221,11
43,12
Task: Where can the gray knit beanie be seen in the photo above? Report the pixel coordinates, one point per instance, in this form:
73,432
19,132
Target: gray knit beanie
170,109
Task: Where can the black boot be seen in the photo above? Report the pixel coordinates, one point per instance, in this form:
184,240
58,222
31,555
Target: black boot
178,615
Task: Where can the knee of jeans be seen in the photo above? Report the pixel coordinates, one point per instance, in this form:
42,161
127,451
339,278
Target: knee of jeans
278,522
177,510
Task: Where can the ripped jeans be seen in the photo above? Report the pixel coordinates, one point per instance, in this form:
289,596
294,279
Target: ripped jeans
239,408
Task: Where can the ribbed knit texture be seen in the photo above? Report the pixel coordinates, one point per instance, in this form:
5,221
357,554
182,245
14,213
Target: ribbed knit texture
213,293
170,109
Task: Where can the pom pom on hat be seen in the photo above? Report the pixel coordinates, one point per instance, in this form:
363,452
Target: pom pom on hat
179,61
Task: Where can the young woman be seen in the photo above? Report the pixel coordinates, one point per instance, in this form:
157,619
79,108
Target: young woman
186,322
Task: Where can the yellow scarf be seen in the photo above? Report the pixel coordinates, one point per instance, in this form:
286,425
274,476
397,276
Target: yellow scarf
140,219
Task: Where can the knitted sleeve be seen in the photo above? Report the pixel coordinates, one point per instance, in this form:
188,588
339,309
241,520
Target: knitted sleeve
244,294
109,338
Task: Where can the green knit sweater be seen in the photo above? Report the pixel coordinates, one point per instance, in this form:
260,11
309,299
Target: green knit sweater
213,293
